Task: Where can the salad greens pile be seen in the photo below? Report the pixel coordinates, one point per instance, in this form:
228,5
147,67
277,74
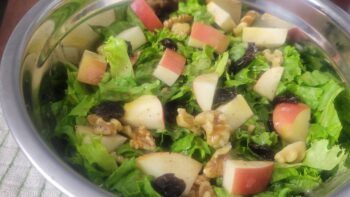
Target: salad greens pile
307,76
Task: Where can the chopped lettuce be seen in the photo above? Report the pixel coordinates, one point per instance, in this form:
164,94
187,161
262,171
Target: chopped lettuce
129,181
291,63
115,51
320,156
221,64
197,9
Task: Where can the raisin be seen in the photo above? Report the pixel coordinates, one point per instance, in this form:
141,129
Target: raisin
223,95
287,98
264,152
109,110
169,43
168,185
244,61
170,111
128,44
163,8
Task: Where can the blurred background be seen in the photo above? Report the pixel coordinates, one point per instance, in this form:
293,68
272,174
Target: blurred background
11,12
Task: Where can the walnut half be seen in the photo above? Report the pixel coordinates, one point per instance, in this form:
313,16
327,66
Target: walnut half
214,167
292,153
201,188
217,129
141,138
102,127
186,120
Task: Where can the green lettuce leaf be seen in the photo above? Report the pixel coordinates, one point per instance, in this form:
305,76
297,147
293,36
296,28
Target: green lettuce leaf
292,64
116,53
197,9
221,64
320,156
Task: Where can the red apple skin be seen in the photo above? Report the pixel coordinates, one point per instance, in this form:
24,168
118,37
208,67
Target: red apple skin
91,68
173,61
146,15
208,35
284,117
251,181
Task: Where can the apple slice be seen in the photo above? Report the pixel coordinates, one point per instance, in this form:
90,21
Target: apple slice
237,111
134,35
170,67
202,34
110,142
246,177
160,163
291,121
222,18
233,7
204,87
265,37
268,82
92,67
269,20
145,111
146,15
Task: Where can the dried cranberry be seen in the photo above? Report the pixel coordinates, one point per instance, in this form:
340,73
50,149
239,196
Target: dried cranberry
244,61
287,98
264,152
168,185
169,43
109,110
223,95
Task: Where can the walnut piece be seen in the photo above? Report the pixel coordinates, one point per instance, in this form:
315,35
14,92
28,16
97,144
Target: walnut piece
276,58
141,138
292,153
181,29
214,167
217,129
201,188
247,20
186,120
101,127
184,18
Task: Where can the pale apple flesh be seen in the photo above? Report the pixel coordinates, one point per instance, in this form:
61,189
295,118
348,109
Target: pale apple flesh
111,143
264,36
92,67
146,111
202,34
221,17
247,177
170,67
268,82
291,121
160,163
237,111
204,88
134,35
233,7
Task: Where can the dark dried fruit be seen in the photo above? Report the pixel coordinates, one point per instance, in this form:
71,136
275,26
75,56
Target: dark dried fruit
163,8
224,95
244,61
264,152
288,98
109,110
168,185
128,44
270,125
169,43
170,111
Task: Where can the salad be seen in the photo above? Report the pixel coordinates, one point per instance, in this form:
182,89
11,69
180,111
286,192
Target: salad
195,98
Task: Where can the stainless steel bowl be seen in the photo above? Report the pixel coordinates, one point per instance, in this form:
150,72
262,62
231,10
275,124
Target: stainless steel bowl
48,33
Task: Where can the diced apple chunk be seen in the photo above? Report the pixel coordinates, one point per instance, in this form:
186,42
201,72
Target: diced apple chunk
146,15
134,35
202,34
269,20
92,67
160,163
170,67
110,142
221,17
204,87
246,177
145,111
268,82
291,121
265,37
237,111
233,7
